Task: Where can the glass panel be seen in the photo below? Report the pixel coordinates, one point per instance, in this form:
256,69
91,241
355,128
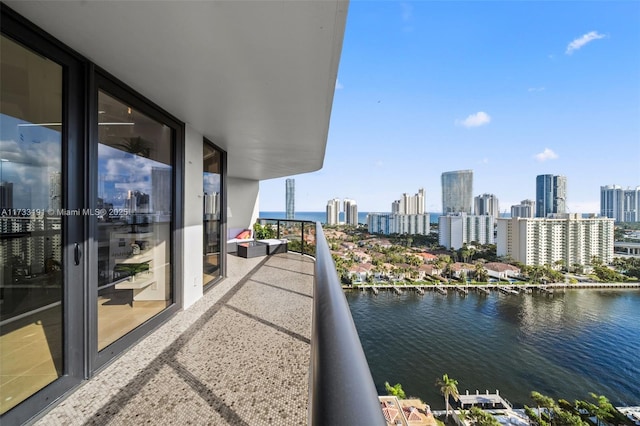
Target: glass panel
211,218
31,228
135,192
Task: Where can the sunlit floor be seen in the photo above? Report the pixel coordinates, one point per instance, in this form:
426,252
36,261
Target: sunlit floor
30,356
31,348
117,315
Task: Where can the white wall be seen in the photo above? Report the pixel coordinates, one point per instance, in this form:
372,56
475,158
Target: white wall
242,202
193,230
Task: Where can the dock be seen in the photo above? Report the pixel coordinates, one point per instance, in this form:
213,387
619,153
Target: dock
484,400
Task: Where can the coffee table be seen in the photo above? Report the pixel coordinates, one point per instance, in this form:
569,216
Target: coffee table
252,249
275,246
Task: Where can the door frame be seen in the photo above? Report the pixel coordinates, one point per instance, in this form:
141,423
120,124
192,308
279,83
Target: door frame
73,134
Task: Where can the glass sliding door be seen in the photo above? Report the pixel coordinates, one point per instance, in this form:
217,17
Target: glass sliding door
31,237
134,224
212,225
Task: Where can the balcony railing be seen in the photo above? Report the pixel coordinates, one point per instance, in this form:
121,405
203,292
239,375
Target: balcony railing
301,234
341,389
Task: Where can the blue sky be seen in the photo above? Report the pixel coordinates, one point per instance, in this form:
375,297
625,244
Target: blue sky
508,89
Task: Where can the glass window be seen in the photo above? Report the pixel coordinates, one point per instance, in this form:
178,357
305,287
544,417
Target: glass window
211,213
135,204
31,229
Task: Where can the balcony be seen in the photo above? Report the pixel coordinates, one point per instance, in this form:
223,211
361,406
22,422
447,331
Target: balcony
242,355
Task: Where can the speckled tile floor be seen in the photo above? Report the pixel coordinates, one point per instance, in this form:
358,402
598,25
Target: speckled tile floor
239,356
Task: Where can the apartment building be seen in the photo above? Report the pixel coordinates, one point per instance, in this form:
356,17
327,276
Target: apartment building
551,195
486,204
569,238
333,211
526,208
350,212
457,191
622,205
458,229
407,224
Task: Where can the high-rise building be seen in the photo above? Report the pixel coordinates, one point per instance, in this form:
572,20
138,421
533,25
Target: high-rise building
161,193
487,204
526,208
622,205
6,195
551,195
457,229
350,212
409,204
390,223
55,190
290,198
562,237
457,191
333,211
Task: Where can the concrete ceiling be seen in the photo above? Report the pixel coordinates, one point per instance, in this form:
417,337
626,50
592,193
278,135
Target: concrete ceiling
257,78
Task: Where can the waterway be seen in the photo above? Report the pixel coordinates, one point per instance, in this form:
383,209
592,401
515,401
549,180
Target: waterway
563,345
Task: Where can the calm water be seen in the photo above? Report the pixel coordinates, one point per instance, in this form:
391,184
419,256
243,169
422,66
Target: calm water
564,346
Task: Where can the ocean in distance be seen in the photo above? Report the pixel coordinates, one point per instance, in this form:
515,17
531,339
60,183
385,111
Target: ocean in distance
322,216
564,345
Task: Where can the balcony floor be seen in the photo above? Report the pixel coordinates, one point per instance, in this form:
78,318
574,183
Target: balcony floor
238,356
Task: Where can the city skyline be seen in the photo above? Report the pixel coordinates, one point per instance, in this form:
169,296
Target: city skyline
427,87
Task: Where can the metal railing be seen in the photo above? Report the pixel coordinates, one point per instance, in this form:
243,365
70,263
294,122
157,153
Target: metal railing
341,389
299,233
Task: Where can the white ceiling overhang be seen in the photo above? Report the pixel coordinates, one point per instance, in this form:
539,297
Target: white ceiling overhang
255,77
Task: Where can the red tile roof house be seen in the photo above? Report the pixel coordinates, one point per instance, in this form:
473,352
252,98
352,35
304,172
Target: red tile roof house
428,257
459,267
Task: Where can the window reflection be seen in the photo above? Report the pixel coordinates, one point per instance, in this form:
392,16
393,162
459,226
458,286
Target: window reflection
135,193
31,337
211,213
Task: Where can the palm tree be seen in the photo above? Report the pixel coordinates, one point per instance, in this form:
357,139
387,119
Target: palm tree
448,388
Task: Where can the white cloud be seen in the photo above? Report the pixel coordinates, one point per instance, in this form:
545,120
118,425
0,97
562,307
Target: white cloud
581,41
339,85
474,120
537,89
485,160
545,155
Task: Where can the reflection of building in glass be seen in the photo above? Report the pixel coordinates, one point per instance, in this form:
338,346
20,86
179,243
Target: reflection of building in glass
457,191
31,245
161,191
6,195
290,198
212,203
55,190
137,202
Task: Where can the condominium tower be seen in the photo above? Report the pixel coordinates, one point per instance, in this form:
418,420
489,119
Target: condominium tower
409,204
487,204
622,205
458,229
551,195
457,191
333,211
350,212
564,237
290,198
526,208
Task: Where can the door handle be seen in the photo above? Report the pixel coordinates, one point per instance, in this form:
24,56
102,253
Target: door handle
77,254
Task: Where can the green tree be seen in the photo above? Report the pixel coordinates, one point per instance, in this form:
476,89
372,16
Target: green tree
448,388
481,417
395,390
